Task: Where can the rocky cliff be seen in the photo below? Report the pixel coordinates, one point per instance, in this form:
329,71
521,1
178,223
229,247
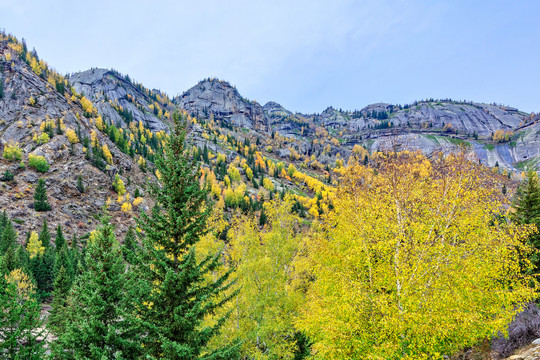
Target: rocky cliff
110,91
32,107
223,102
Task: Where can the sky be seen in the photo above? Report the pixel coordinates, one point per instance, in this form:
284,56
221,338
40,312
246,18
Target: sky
305,55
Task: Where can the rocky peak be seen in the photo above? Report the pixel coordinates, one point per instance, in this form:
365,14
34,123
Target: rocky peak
224,102
273,109
44,119
109,91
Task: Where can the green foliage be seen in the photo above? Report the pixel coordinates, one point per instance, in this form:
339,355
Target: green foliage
176,286
527,211
118,185
59,239
58,316
101,322
40,197
8,236
80,184
7,176
12,152
38,163
20,323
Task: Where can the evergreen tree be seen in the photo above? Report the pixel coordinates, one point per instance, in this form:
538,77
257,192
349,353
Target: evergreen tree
175,281
63,260
59,240
262,218
80,184
57,318
22,259
9,261
20,321
101,322
8,237
129,247
3,221
527,210
42,268
45,235
40,197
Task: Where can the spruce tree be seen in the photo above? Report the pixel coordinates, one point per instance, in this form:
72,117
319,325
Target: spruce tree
8,237
80,184
129,246
20,324
58,317
101,322
40,197
63,260
42,268
59,240
527,210
45,235
176,283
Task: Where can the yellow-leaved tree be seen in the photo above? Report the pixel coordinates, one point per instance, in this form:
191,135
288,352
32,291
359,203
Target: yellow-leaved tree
415,262
262,314
34,246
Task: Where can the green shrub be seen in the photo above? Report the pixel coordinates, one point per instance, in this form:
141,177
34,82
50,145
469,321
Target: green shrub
7,176
38,162
13,152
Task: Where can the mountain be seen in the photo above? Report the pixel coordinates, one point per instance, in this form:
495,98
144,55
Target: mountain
248,152
219,98
38,109
109,91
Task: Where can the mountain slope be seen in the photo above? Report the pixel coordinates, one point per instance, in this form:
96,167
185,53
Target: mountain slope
110,91
36,115
219,98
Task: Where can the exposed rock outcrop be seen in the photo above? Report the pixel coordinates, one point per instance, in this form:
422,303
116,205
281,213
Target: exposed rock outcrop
223,101
107,87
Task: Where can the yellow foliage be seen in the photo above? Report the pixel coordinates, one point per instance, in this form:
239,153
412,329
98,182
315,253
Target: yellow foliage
72,136
268,184
34,246
12,152
23,284
99,123
107,154
264,310
126,207
412,262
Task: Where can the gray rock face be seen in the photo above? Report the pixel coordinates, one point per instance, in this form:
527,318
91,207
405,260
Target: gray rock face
464,118
28,101
224,102
105,87
273,109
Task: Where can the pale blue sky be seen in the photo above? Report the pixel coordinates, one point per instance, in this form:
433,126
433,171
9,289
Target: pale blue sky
306,55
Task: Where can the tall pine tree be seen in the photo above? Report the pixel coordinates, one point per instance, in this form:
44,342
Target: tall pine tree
178,295
58,317
20,320
527,210
40,197
59,240
101,318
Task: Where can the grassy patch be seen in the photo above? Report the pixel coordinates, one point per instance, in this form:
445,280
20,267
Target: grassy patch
432,138
527,164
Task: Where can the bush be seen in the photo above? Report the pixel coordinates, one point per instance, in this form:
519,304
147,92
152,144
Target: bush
7,176
72,136
522,331
38,163
13,152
